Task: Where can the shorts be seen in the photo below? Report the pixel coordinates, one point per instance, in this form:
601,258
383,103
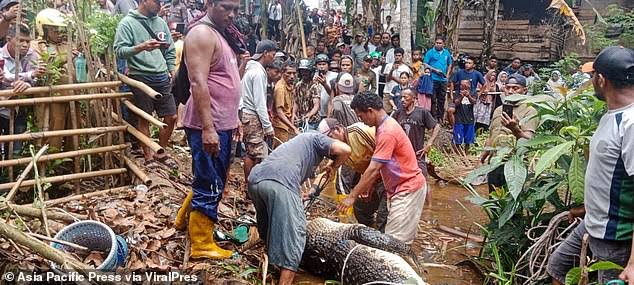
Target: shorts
254,136
404,210
566,256
165,106
281,222
463,133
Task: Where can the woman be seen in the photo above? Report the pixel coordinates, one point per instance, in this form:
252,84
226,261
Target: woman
529,73
555,83
485,102
500,87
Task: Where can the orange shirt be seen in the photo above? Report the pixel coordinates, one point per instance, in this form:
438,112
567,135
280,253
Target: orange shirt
400,171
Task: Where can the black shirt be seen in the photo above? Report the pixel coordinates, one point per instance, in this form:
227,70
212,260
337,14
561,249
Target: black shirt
414,125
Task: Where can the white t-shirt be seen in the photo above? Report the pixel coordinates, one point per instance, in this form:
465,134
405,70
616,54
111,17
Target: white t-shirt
275,12
323,109
609,179
391,83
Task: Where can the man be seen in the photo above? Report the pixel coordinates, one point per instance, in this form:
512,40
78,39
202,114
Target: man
9,10
395,161
274,74
339,106
514,67
284,106
374,43
307,97
323,77
30,70
274,188
463,120
331,34
392,73
388,27
211,120
255,117
414,120
321,48
365,77
359,51
492,65
386,44
361,140
275,16
440,62
609,180
522,126
106,6
151,60
122,7
396,43
310,52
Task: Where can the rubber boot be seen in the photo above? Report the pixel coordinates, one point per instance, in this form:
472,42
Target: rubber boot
201,229
180,222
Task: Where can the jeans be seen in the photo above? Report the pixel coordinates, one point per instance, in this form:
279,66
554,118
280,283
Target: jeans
274,30
438,100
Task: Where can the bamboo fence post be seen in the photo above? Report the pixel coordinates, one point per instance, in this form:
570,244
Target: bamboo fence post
138,172
301,28
25,172
61,155
10,145
141,137
108,113
43,249
148,117
86,195
40,195
62,99
37,213
139,85
75,125
61,133
68,177
121,138
49,90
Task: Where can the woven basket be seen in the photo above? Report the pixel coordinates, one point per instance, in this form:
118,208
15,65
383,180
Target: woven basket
95,236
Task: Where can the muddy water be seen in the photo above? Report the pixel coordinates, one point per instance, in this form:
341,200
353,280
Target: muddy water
437,247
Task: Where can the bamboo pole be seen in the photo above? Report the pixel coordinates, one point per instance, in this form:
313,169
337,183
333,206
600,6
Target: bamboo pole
140,86
43,249
108,113
36,213
10,144
26,171
61,99
301,28
75,125
137,171
61,133
46,90
143,114
140,136
69,177
61,155
62,242
86,195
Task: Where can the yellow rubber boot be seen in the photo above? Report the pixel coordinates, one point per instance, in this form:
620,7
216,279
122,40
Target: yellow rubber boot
201,229
180,222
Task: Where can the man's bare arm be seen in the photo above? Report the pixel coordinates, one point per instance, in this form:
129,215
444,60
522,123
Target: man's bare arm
200,51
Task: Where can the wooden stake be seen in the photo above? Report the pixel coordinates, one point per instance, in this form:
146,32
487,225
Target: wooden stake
143,114
61,133
301,28
87,195
583,279
61,99
25,172
48,90
68,177
10,145
137,171
75,125
140,136
140,86
43,249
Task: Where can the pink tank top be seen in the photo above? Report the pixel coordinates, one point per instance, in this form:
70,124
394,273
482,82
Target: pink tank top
223,82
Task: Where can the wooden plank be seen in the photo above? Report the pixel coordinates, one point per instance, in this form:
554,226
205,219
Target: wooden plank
524,56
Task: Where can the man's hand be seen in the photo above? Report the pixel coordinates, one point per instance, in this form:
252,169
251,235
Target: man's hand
346,203
484,156
295,130
321,80
41,69
20,86
12,13
510,123
628,273
577,212
211,141
269,134
424,151
246,56
148,45
237,135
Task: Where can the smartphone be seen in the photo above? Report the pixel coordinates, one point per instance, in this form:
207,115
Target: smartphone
508,109
164,45
180,28
322,72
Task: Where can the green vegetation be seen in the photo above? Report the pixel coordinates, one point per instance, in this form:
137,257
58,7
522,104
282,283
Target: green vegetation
615,26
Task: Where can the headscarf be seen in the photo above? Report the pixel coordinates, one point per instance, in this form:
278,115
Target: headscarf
499,81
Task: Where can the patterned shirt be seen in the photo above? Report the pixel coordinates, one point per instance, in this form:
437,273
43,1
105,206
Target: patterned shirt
306,92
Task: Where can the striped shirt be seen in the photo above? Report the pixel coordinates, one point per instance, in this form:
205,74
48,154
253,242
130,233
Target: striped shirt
609,180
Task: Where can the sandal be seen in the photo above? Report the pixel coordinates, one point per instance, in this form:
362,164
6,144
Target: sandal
167,161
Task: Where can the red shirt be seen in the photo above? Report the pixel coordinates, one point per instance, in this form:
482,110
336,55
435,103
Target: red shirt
400,171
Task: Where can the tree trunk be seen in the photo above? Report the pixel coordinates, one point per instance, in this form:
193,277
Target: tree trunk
375,10
406,30
490,23
442,18
414,22
453,24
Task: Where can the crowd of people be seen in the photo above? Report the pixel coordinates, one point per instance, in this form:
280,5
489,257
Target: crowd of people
354,100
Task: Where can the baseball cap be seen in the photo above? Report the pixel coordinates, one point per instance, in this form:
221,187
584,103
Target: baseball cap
367,58
340,44
346,83
359,35
264,46
375,54
327,125
615,63
517,79
7,3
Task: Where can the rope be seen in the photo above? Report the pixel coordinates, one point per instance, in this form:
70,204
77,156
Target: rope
536,257
343,269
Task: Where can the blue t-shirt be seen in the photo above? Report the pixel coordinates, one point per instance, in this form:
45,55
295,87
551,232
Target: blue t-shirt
439,60
474,76
397,94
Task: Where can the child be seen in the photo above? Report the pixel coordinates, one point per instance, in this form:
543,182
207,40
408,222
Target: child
464,126
395,96
425,88
417,65
482,112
